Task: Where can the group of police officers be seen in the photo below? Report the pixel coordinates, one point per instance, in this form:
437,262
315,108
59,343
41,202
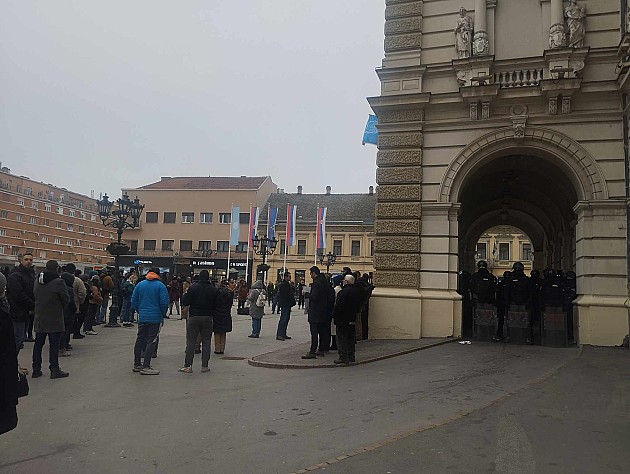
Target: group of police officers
521,300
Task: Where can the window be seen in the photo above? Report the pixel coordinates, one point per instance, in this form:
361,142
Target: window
71,213
1,249
337,247
301,247
81,228
185,245
205,217
90,246
504,251
70,226
169,217
371,248
3,232
241,247
59,225
151,217
18,217
32,220
57,240
205,245
4,214
93,217
60,210
243,218
149,244
47,207
526,253
18,188
188,217
223,245
167,245
482,251
28,191
82,214
225,218
69,243
133,247
20,202
42,254
34,205
15,250
355,250
283,243
46,222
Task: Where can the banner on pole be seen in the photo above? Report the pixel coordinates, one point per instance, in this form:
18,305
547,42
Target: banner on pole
272,215
320,237
370,135
290,235
235,225
253,224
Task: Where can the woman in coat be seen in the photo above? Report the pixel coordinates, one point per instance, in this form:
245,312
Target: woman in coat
222,323
94,306
256,312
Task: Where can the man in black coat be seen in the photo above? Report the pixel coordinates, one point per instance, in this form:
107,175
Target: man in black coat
318,314
286,301
21,300
8,366
345,315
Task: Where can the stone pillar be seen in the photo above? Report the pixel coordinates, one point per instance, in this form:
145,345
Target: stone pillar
557,32
480,39
602,316
403,33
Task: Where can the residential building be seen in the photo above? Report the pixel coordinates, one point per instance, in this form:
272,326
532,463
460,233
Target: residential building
50,222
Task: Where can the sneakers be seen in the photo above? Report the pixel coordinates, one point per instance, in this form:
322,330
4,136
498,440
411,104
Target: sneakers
78,336
309,355
149,371
91,333
58,374
64,354
186,370
205,369
37,373
136,368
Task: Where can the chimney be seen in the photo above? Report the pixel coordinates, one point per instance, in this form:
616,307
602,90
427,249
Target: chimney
371,192
328,189
299,189
164,178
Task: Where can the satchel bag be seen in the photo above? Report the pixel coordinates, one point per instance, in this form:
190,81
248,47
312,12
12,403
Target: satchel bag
22,385
260,301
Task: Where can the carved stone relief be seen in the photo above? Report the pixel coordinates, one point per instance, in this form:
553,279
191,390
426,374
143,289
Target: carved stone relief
485,110
553,105
576,16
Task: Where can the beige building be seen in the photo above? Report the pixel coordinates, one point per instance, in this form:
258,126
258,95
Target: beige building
502,246
50,222
349,232
504,112
185,226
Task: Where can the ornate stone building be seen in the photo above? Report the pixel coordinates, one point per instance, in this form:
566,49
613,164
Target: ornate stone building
522,126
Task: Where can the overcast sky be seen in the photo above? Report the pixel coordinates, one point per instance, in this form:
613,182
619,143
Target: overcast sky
100,95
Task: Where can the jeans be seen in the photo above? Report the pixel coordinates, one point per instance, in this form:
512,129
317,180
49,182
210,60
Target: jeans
125,311
93,310
146,342
274,303
54,338
346,340
256,326
101,316
19,331
196,325
283,323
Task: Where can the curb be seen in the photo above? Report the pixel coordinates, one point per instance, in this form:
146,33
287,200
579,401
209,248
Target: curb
276,365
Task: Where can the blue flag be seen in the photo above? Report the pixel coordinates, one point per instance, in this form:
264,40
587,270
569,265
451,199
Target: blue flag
371,133
235,225
272,215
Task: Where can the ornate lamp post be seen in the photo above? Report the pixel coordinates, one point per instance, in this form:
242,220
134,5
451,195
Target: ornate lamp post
263,246
329,260
118,219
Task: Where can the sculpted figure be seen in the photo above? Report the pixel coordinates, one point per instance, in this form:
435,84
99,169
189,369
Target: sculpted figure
575,15
463,34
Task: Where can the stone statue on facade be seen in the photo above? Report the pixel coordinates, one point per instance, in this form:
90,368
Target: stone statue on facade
463,34
575,15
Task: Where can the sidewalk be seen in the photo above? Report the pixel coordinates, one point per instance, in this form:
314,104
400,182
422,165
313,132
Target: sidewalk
367,351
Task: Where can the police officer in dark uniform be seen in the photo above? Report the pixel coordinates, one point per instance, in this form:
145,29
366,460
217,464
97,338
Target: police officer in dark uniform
536,282
501,305
483,286
518,292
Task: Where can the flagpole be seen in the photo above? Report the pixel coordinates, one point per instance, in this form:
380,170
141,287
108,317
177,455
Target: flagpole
249,241
316,230
227,271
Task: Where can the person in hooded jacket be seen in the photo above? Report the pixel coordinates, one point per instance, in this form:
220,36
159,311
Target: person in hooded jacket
256,312
51,299
8,365
222,323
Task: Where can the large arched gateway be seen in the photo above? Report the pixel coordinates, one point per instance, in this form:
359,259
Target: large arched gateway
518,130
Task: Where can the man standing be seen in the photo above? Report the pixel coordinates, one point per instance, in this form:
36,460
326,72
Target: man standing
51,299
201,298
286,301
318,315
345,315
77,293
21,300
150,301
107,285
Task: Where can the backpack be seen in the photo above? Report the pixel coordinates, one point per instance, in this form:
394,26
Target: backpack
260,301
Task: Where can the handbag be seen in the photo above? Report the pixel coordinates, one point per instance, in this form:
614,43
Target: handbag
22,385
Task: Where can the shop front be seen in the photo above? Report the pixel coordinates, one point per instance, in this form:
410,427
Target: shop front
218,267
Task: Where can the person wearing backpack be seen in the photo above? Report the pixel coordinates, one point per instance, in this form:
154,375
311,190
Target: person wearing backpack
256,311
94,306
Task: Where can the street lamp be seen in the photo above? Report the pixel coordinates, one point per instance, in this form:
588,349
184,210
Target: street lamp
118,219
329,260
264,246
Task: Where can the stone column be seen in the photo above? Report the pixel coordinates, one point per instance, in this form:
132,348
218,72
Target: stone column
480,39
557,32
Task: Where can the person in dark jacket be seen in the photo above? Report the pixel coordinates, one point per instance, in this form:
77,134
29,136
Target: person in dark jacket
8,365
20,295
51,299
202,300
222,321
345,315
318,314
286,301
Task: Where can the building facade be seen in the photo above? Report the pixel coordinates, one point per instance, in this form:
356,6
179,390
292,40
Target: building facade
497,112
502,246
185,226
50,222
349,233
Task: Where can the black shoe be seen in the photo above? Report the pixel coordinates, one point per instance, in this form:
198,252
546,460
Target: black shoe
333,348
69,347
197,351
154,356
280,338
78,336
58,374
255,336
341,361
167,317
320,353
29,339
37,373
286,337
310,355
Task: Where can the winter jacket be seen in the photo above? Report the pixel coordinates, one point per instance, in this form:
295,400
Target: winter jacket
96,298
51,299
348,305
77,288
285,295
20,292
223,311
256,312
150,299
8,371
201,297
318,301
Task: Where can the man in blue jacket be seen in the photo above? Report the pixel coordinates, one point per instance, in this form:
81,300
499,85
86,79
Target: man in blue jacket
150,301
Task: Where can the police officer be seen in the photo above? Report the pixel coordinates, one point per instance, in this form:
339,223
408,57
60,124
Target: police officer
536,283
483,285
518,292
501,299
552,294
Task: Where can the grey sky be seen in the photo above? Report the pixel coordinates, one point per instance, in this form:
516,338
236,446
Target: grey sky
101,95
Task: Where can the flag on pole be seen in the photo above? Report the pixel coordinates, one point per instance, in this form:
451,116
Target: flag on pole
291,213
320,237
370,135
253,224
272,215
235,223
